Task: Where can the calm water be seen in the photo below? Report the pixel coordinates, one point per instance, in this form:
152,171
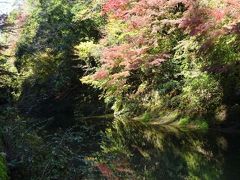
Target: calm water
133,150
97,148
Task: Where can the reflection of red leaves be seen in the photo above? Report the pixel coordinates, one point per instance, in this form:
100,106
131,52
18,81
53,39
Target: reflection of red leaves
106,172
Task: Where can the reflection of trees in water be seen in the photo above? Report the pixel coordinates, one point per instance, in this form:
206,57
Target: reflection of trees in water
139,150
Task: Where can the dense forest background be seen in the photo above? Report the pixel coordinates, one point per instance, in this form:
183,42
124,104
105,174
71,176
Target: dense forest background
63,62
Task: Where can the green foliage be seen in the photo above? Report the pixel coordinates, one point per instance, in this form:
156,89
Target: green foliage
184,121
196,123
201,94
145,117
178,56
45,56
47,80
3,169
87,50
201,124
164,60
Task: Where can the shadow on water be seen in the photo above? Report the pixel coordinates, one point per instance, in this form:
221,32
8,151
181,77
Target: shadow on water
134,150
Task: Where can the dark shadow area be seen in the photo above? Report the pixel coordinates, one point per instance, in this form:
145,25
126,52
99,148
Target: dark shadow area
54,90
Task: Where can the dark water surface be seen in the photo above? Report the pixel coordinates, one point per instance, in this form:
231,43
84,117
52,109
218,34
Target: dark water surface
134,150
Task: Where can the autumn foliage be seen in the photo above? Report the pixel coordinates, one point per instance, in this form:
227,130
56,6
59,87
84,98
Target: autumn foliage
140,53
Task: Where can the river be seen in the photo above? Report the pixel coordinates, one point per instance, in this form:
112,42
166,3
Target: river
134,150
